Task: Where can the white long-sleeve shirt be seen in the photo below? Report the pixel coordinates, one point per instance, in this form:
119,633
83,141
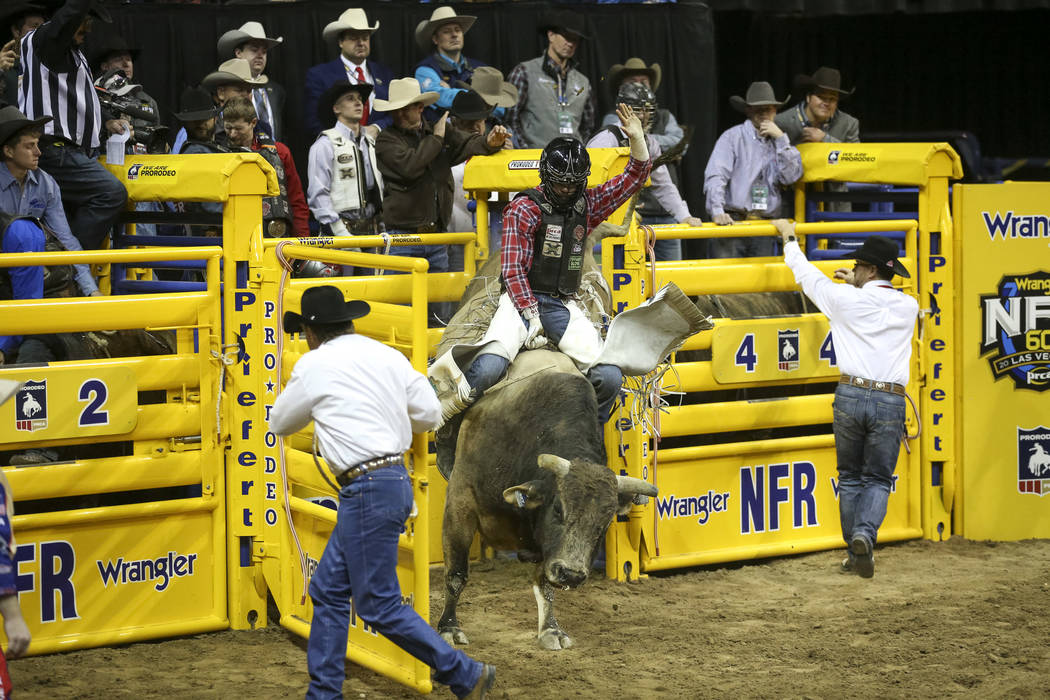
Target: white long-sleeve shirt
364,397
872,326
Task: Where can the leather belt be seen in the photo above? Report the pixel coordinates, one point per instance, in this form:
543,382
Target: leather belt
426,228
889,387
370,466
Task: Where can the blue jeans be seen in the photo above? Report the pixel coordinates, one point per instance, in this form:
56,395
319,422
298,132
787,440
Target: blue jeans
868,427
27,282
89,192
437,255
487,369
360,560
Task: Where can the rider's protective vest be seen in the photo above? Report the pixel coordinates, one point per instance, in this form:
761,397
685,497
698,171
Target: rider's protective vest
349,188
276,211
557,246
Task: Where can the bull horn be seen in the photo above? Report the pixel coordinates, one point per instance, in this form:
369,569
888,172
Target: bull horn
554,463
628,484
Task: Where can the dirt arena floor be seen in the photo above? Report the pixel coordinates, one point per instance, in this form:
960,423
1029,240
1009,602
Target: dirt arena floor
954,619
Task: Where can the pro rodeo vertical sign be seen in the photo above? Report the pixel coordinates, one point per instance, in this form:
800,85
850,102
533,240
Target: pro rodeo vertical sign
1003,345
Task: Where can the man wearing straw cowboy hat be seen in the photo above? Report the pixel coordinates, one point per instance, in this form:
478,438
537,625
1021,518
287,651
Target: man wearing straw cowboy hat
250,42
817,117
416,160
748,165
354,36
231,79
441,37
872,324
366,401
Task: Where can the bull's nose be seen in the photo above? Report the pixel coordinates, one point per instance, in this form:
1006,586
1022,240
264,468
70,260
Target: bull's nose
562,575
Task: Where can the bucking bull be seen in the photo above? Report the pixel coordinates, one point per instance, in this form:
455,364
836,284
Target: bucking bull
526,463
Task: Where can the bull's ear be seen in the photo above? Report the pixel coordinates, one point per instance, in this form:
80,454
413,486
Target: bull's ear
526,496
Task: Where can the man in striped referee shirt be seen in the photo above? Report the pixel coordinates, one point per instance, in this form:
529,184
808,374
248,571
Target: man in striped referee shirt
56,83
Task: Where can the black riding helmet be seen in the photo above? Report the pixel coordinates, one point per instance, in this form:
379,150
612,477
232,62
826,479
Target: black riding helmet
564,162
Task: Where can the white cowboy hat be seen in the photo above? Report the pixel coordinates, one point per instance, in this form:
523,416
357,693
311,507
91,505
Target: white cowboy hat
353,19
249,31
403,92
236,71
438,18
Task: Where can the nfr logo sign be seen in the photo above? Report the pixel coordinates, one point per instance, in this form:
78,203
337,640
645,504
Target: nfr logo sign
1016,329
764,490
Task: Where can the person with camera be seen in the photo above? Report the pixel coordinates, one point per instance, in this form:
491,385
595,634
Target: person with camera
286,214
748,165
113,63
345,185
57,83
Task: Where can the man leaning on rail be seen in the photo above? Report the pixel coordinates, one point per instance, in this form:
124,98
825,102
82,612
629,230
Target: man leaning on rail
872,323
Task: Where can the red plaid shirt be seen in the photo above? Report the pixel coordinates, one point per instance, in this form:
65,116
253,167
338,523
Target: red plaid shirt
522,216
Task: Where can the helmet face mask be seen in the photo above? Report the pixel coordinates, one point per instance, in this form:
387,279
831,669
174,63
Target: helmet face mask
564,162
640,98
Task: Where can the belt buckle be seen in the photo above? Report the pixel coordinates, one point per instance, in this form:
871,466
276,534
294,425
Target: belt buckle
881,386
859,381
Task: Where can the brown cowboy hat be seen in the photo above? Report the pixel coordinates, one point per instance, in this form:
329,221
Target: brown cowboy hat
823,79
403,92
12,121
323,305
439,18
759,94
489,83
882,253
634,66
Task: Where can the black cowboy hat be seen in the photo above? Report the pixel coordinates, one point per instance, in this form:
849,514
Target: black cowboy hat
322,305
18,10
330,96
12,121
470,105
105,44
563,22
882,253
196,105
823,79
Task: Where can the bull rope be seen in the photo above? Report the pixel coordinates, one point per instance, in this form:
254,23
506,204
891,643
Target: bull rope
286,268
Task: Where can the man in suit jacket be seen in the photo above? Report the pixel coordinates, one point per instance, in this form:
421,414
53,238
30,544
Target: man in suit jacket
251,43
354,36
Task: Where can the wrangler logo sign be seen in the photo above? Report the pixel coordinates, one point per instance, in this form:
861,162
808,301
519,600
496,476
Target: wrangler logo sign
1010,225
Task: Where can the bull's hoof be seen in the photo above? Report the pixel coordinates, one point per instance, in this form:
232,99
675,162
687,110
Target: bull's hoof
554,640
454,635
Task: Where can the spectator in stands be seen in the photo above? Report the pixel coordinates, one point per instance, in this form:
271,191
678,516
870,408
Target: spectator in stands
232,79
198,117
664,128
817,117
286,214
554,98
52,57
354,36
111,53
441,38
30,200
660,202
748,165
345,184
251,43
415,159
19,18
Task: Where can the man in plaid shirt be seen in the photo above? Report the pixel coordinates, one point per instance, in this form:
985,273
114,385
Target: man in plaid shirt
544,234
